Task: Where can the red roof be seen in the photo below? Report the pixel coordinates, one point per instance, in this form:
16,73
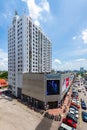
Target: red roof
3,83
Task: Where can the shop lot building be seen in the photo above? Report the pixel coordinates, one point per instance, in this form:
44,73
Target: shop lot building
45,90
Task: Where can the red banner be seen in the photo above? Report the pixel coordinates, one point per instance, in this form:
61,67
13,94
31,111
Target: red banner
67,82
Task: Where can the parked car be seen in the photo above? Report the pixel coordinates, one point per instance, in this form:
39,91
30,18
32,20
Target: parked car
73,112
75,93
71,106
75,104
69,122
72,117
0,92
84,116
83,105
75,96
63,126
76,101
72,109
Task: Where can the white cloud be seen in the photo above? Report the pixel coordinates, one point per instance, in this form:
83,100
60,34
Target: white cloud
79,60
3,60
38,11
57,61
74,38
84,36
70,65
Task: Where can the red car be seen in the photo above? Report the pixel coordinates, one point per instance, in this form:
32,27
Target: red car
69,122
76,105
0,92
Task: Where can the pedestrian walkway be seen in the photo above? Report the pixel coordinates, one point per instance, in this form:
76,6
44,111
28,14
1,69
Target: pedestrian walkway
64,108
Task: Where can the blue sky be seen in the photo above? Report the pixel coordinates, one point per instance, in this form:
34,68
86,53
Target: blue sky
63,21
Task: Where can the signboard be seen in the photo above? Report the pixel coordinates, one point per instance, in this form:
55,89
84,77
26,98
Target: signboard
53,87
65,84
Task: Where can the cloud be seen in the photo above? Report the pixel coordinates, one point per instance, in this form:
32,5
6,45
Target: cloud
38,11
3,60
84,36
57,61
74,38
79,60
70,65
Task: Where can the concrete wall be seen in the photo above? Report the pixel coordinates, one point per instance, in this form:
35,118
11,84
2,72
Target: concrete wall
33,86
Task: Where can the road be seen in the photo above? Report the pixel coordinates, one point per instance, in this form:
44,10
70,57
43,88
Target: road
82,125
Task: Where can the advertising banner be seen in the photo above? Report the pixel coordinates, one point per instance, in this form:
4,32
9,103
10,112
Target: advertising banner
53,87
63,85
67,82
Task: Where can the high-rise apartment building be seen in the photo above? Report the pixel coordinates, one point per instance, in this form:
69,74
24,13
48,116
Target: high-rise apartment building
29,50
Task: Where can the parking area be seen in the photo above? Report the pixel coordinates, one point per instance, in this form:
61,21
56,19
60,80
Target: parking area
17,116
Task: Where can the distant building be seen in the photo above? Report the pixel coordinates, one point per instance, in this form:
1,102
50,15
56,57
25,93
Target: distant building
82,69
29,50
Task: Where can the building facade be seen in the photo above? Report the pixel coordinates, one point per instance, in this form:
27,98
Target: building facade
40,90
29,50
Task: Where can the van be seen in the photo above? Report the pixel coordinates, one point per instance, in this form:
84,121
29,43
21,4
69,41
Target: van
65,127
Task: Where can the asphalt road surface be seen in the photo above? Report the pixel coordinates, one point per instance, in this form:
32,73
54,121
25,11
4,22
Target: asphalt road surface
82,125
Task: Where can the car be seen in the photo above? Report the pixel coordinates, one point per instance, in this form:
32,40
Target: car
76,100
71,106
63,126
69,122
75,96
74,92
72,109
73,112
83,105
75,104
72,117
84,116
0,92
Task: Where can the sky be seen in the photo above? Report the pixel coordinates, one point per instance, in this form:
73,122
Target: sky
63,21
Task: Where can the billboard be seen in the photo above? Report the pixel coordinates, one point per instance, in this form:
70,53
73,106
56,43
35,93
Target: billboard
65,84
53,87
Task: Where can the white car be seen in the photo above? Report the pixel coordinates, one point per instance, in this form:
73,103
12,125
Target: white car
72,109
75,100
78,103
73,112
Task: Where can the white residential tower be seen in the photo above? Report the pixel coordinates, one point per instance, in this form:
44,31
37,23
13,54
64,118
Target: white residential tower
29,50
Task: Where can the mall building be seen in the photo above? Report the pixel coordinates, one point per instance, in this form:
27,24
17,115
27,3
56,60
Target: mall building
45,90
